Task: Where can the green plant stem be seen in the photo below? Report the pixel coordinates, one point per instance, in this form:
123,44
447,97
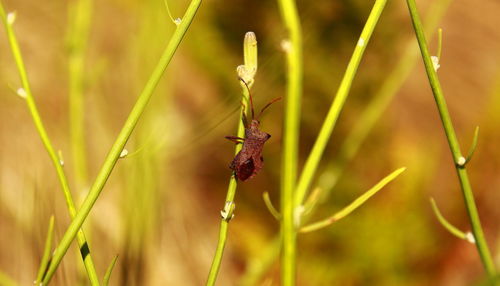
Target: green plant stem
367,120
354,205
270,207
473,146
470,204
109,271
46,250
446,224
82,242
377,106
80,14
314,158
293,51
216,262
229,206
121,140
364,125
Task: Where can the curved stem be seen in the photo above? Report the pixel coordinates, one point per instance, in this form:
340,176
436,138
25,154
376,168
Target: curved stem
354,205
270,207
482,246
82,241
109,271
121,140
447,225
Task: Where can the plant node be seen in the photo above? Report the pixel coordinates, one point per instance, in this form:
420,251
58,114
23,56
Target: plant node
228,212
11,18
22,92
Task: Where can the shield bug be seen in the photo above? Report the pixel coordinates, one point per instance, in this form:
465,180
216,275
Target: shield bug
248,162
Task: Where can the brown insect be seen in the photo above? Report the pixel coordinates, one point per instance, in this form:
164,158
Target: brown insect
248,162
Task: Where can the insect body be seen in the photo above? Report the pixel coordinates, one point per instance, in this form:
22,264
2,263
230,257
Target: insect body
249,161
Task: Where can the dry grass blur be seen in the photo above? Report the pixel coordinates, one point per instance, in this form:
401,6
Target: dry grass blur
160,209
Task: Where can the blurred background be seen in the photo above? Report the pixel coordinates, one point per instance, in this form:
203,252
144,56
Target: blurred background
159,210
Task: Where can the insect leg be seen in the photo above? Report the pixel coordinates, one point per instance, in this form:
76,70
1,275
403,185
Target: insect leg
235,139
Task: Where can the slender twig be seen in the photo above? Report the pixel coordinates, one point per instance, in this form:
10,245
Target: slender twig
470,204
312,200
121,140
175,21
440,43
26,93
449,227
293,50
245,73
377,106
437,58
314,158
109,271
227,213
267,201
46,250
354,205
79,17
473,146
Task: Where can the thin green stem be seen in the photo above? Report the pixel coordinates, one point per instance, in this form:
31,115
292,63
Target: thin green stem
293,49
312,201
270,207
82,242
227,212
360,132
354,205
246,73
216,262
314,158
46,250
109,271
470,204
446,224
473,146
382,98
80,14
440,43
168,11
367,120
121,140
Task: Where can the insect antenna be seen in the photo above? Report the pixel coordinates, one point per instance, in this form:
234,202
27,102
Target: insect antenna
267,105
249,96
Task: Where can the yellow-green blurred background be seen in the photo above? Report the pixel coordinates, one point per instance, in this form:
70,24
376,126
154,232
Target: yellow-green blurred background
160,208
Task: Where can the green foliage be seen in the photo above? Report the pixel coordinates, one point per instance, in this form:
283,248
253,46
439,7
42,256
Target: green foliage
162,209
477,229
